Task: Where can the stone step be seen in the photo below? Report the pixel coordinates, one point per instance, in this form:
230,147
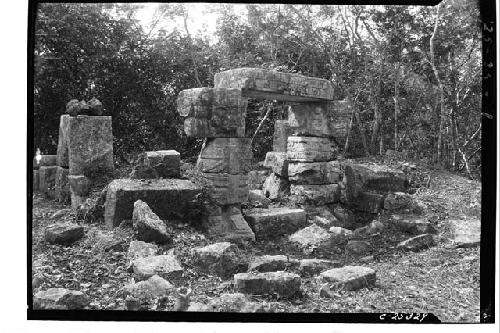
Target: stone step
274,222
281,283
226,155
349,278
265,84
168,198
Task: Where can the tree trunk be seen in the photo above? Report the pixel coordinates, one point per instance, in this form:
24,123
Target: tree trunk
376,108
396,107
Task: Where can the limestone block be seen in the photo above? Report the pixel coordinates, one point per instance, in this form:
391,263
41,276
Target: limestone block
256,179
349,278
340,113
165,162
275,222
148,226
63,144
60,299
62,185
265,84
275,187
282,283
229,224
90,144
222,259
165,266
227,189
317,194
310,149
63,233
282,131
314,173
269,263
79,184
226,155
168,198
316,239
368,202
47,178
277,162
213,112
310,119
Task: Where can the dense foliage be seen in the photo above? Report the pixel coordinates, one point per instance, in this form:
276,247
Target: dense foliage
413,74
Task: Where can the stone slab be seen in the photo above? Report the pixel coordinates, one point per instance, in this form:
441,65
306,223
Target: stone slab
282,131
165,162
169,198
226,155
316,194
227,189
310,149
310,119
265,84
314,173
277,162
349,278
273,223
412,224
281,283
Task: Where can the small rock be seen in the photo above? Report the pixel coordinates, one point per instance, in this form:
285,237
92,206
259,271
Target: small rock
95,106
60,299
106,243
222,259
275,222
311,267
366,259
140,249
417,243
72,107
269,263
314,238
153,287
282,283
149,227
63,233
166,266
374,228
258,199
349,277
235,302
60,213
357,247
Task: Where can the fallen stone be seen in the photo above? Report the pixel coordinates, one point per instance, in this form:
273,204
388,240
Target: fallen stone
357,247
277,162
221,259
62,185
368,202
168,198
90,145
314,238
62,144
140,249
268,263
256,178
226,155
282,131
227,189
275,187
149,227
349,278
312,267
275,222
362,178
345,216
234,302
465,233
417,243
63,233
316,194
340,233
166,266
165,162
373,228
153,287
95,106
229,224
266,84
310,119
310,149
315,173
47,179
258,199
60,299
411,224
281,283
105,243
133,304
213,112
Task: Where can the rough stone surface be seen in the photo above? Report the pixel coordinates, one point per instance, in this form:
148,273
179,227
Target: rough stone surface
412,224
368,202
357,247
310,119
256,179
96,108
275,222
325,222
341,112
227,189
268,263
404,203
310,149
314,238
165,162
281,283
149,227
282,131
90,144
63,233
140,249
373,228
275,187
47,179
226,155
315,173
229,224
316,194
166,266
73,107
62,144
465,233
417,243
277,162
312,267
349,278
361,178
62,185
265,84
221,259
79,184
60,299
46,160
258,199
213,112
36,181
345,216
168,198
107,242
151,288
